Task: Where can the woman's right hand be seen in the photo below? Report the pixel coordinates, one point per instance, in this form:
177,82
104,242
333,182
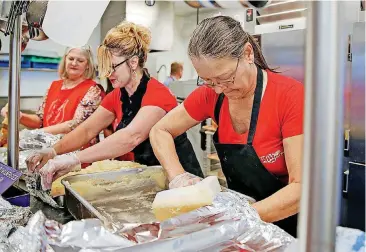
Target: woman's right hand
4,112
184,179
39,158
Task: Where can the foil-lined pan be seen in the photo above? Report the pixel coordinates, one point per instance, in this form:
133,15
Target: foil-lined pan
29,141
229,224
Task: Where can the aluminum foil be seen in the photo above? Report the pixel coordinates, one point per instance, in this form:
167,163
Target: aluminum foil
36,139
10,218
29,141
230,224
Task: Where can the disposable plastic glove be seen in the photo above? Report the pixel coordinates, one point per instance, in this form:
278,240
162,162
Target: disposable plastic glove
58,167
37,159
184,179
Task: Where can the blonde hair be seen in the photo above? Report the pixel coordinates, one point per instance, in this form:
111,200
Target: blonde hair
222,36
89,72
126,39
175,67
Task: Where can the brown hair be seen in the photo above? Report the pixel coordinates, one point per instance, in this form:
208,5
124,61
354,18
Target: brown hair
222,36
175,67
126,39
90,69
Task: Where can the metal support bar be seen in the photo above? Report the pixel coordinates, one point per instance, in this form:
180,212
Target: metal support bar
14,83
323,130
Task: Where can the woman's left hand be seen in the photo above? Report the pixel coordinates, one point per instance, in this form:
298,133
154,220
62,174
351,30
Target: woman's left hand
58,167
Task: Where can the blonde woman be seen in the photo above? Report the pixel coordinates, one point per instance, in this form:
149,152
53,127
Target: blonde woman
138,101
70,100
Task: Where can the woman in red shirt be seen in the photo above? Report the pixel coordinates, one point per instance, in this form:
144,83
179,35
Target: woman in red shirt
137,102
259,115
70,100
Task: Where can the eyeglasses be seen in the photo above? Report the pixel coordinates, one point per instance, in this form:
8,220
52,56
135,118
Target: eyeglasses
210,83
114,67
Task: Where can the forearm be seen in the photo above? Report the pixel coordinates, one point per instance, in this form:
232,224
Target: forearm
73,140
115,145
164,149
30,121
61,128
281,204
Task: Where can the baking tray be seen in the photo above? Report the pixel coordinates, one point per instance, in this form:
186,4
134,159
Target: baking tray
125,204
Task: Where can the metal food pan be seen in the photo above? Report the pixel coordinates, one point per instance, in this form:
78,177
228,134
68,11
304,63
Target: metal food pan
81,207
122,206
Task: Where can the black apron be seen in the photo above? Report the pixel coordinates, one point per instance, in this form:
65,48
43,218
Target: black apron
143,152
242,167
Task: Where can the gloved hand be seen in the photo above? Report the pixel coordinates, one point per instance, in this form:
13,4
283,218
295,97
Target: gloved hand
4,112
58,167
37,159
184,179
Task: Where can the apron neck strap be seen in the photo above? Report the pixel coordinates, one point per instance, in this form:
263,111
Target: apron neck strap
256,106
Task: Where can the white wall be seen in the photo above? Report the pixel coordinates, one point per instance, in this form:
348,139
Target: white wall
35,83
184,25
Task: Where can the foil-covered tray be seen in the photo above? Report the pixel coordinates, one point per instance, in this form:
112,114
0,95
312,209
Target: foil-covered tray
115,196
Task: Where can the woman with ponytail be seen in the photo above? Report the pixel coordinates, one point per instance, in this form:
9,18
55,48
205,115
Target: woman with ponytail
259,114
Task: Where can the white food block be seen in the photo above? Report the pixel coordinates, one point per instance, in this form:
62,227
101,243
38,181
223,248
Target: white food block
174,202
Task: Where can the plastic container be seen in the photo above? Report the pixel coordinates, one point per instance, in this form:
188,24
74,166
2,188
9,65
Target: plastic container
44,65
17,197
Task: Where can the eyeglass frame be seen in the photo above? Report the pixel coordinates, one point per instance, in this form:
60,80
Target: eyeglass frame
205,83
114,67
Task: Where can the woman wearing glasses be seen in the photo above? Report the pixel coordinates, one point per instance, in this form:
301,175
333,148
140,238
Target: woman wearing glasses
137,101
259,115
70,100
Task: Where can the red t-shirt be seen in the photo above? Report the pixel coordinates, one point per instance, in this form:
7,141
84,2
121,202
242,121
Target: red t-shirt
280,116
156,95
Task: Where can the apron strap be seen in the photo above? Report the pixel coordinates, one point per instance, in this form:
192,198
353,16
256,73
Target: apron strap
256,106
218,105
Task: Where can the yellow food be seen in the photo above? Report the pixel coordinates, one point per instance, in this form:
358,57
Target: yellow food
99,166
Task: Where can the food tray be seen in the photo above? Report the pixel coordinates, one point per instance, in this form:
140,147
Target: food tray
125,203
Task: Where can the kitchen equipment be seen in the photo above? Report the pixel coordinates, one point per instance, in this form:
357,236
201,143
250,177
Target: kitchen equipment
17,8
17,197
35,15
129,200
128,203
65,24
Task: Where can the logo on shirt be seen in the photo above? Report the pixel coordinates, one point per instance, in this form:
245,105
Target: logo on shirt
271,158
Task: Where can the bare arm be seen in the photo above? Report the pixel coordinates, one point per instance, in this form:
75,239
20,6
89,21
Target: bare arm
30,121
124,140
162,135
84,110
285,202
86,131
